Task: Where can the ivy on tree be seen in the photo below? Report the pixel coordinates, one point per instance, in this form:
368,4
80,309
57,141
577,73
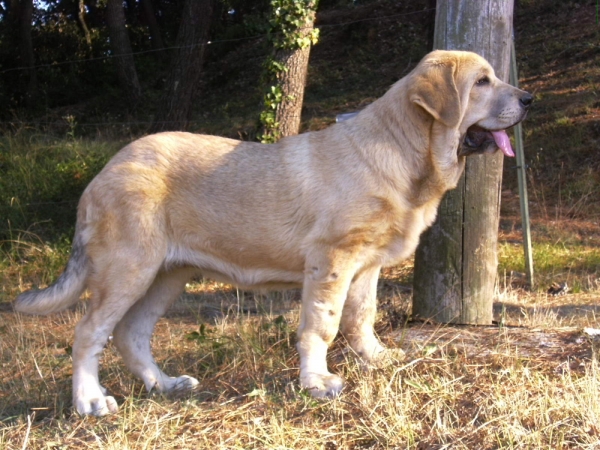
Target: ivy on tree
291,35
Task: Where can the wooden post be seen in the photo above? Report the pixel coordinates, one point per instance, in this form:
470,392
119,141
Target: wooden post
456,261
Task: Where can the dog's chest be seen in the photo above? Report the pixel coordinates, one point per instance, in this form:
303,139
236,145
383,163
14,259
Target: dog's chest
403,234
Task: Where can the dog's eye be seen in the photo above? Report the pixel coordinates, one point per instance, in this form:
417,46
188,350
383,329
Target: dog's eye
482,81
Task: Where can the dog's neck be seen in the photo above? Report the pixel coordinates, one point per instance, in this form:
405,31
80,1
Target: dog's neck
429,159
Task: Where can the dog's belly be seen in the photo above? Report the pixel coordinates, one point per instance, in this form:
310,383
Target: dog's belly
226,271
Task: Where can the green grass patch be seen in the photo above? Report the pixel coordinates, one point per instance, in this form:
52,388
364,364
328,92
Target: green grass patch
577,264
41,181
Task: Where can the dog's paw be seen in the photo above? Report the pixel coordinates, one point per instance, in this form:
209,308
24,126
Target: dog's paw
98,406
179,385
322,386
387,357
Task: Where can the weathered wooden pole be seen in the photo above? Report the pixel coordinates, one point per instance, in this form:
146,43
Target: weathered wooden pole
456,261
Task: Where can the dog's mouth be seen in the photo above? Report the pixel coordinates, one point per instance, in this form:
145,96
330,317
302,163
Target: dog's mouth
478,140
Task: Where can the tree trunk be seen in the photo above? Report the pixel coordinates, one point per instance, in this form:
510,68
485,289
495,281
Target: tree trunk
26,49
186,67
150,20
456,261
121,46
12,8
292,34
293,82
82,22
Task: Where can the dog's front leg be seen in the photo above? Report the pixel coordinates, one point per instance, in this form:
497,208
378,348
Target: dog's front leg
326,281
358,319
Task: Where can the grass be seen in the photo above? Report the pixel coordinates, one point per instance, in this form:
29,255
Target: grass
42,179
576,264
503,389
496,387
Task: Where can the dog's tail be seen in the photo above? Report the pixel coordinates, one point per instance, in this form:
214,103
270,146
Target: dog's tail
64,292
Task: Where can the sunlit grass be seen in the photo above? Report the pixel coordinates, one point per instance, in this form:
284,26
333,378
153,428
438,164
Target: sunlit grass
249,395
576,264
42,180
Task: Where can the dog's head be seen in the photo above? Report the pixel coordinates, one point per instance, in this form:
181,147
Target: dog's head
461,92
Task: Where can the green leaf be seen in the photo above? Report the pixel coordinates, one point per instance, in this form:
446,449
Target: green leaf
256,393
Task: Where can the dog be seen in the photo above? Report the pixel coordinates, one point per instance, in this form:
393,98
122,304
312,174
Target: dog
323,210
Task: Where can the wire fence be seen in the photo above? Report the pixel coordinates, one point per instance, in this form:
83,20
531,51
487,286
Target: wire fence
146,123
210,42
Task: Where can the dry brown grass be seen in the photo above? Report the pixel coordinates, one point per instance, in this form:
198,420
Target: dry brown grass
531,382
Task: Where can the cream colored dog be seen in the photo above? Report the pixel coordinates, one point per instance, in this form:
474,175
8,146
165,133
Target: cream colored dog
323,210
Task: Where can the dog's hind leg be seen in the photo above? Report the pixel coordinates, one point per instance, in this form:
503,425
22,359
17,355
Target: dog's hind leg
133,333
116,283
358,319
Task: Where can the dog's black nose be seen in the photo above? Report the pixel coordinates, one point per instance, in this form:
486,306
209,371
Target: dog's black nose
526,100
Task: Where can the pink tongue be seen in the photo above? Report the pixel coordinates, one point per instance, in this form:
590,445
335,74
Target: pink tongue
503,141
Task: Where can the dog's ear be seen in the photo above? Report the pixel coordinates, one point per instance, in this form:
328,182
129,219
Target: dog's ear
434,89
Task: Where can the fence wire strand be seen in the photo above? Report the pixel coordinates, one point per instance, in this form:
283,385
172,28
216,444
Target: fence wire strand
210,42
